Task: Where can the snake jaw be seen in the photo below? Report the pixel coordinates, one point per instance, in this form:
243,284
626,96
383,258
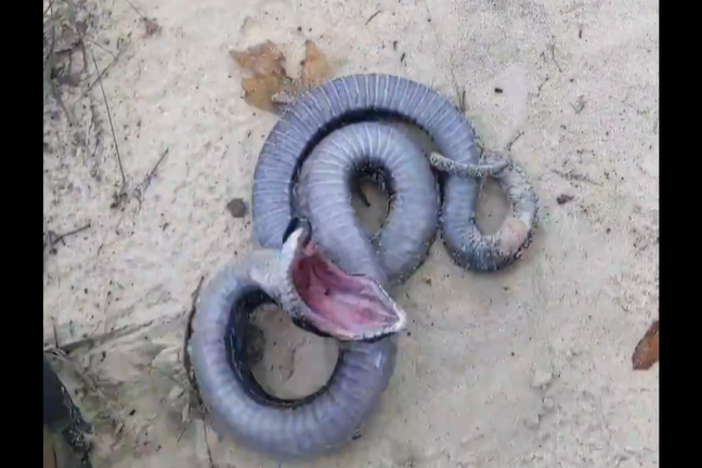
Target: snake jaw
322,298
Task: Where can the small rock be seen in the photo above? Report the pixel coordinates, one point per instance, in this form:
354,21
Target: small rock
175,393
563,198
548,404
237,208
541,379
532,422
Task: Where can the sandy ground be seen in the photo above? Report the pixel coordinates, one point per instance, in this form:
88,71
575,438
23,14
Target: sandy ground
526,368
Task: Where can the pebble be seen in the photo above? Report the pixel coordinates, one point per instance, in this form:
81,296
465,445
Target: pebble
541,379
532,422
175,393
237,208
548,404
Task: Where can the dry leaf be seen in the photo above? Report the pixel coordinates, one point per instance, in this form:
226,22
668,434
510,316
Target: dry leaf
646,352
262,60
266,63
258,91
315,68
270,86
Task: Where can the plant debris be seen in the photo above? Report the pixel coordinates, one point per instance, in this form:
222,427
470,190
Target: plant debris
269,85
267,65
646,353
315,68
151,27
564,198
51,238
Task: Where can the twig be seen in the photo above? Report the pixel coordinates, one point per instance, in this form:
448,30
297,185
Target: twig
207,444
552,49
462,101
112,127
152,26
141,189
194,393
514,140
102,47
83,376
373,16
56,342
136,11
99,338
115,57
150,175
454,82
49,65
81,39
49,8
573,175
51,238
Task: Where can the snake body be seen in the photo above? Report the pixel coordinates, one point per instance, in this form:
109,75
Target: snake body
307,168
318,423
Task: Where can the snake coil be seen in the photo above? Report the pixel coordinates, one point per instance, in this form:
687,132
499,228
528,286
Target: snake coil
308,167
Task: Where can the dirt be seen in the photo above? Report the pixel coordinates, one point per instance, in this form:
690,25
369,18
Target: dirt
530,367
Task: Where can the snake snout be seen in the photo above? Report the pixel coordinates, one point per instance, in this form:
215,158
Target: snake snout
301,227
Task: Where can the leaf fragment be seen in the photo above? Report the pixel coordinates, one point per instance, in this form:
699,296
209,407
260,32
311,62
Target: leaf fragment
262,60
315,68
646,353
266,84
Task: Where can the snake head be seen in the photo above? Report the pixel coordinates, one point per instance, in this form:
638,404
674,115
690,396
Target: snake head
323,299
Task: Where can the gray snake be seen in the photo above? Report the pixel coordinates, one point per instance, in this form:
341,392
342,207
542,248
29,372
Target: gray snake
325,272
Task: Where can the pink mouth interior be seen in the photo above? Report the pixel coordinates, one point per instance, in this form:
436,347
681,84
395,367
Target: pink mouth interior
344,306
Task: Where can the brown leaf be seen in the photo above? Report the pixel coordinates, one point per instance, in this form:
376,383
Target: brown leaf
315,68
646,352
258,91
266,63
269,86
263,60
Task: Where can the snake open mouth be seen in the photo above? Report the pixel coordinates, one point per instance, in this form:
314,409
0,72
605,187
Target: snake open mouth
347,307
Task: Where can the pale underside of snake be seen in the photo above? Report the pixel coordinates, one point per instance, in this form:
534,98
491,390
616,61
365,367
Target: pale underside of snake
318,264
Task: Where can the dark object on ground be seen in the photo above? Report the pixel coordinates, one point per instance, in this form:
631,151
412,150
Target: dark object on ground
237,208
563,198
63,419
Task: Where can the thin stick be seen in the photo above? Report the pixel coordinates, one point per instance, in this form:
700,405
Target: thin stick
115,57
56,342
112,127
81,39
373,16
207,444
51,238
49,64
136,11
70,233
101,338
150,175
51,4
186,340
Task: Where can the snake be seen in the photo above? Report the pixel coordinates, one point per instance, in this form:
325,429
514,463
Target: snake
330,276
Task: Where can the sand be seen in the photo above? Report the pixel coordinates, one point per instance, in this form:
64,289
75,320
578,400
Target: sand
530,367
